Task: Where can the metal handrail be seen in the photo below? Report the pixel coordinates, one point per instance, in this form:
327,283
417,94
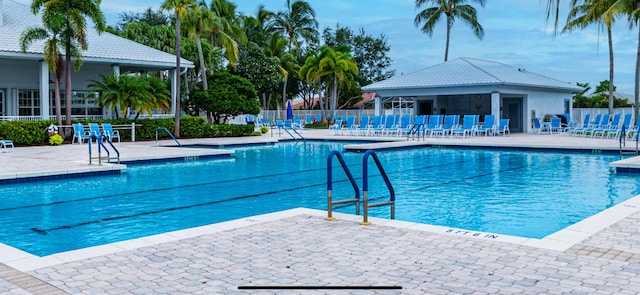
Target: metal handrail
356,190
365,188
170,134
101,144
414,131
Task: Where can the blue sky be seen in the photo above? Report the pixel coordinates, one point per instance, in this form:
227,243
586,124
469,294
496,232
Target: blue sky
516,33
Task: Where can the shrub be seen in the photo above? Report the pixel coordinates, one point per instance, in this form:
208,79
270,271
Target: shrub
264,129
55,139
256,133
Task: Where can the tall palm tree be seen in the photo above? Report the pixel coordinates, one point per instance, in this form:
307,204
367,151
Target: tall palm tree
53,25
297,22
226,31
199,19
179,8
453,9
287,64
334,67
586,12
74,33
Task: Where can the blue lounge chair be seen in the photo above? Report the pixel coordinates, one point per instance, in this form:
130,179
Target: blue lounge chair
434,122
615,123
537,127
555,125
588,130
363,127
469,125
446,127
376,126
318,119
601,128
108,131
578,129
79,134
308,119
488,126
626,123
349,125
336,127
94,131
503,128
405,125
390,125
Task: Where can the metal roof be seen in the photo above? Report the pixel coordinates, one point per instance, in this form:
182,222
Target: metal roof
104,47
470,72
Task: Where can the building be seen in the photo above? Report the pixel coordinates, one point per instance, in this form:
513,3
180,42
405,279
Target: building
473,86
26,85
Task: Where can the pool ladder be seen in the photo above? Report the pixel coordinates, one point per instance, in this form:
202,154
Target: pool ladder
100,141
623,141
365,187
168,132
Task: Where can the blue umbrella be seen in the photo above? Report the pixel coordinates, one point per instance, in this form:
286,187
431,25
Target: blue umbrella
289,111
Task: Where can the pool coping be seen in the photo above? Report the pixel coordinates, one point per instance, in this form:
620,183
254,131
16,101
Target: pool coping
560,241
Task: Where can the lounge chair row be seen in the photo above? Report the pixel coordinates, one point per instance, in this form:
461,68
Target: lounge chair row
80,135
423,125
604,126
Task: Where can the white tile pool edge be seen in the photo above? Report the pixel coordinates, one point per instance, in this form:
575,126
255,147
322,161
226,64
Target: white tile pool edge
558,241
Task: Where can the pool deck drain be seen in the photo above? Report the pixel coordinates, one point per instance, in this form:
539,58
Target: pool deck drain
298,248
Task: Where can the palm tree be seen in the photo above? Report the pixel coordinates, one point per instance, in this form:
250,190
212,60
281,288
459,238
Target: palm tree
286,61
588,12
198,20
53,23
453,9
226,31
179,8
298,21
334,67
74,33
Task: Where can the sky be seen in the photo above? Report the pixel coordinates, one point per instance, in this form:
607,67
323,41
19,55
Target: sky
516,33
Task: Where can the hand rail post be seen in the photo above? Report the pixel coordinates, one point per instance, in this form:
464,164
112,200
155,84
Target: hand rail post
90,156
133,132
352,180
365,187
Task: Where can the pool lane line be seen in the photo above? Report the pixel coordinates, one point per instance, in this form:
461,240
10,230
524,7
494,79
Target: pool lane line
47,230
195,185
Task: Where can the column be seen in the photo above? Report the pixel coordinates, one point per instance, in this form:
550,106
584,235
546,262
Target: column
174,91
378,106
108,113
495,104
44,90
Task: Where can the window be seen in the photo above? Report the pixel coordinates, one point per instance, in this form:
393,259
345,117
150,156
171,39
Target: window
28,103
82,103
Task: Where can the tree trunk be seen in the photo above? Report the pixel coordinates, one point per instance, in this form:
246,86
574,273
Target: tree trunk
67,88
203,71
610,70
334,96
57,98
284,93
176,129
446,47
636,105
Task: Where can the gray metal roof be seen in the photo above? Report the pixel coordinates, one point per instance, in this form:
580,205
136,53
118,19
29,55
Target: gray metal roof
104,47
470,72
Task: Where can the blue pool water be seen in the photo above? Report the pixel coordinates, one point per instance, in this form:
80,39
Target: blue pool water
523,193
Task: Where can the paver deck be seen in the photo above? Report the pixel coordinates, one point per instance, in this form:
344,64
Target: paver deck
299,248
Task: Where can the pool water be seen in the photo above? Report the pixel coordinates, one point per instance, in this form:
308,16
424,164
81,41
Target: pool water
522,193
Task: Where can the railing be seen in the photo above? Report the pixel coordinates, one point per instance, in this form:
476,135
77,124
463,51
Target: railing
415,131
365,188
99,141
170,134
356,190
623,141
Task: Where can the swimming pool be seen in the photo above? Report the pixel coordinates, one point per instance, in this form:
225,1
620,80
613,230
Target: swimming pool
523,193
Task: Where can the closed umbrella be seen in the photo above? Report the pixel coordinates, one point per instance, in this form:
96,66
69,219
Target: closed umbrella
289,110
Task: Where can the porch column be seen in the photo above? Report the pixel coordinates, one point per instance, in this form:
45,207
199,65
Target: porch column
44,90
495,104
377,107
174,91
108,113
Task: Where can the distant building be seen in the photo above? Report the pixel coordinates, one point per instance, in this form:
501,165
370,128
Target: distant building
26,86
473,86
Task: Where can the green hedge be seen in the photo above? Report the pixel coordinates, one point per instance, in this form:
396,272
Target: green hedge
34,132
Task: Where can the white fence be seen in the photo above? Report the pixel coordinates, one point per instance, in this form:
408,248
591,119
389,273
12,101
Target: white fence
578,113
